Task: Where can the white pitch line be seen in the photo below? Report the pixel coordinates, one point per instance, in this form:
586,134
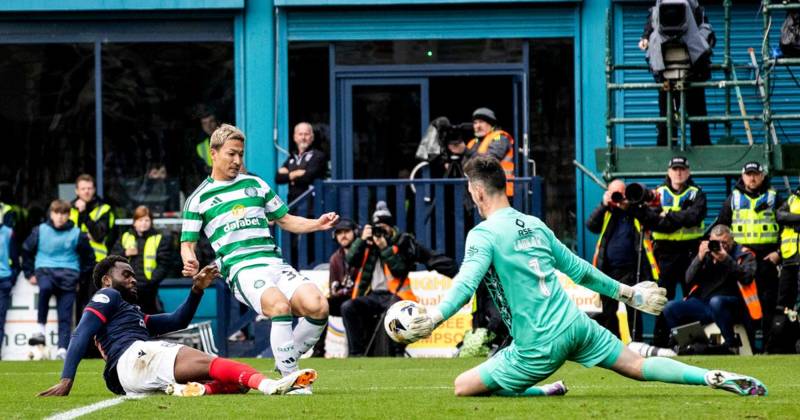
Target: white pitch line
82,411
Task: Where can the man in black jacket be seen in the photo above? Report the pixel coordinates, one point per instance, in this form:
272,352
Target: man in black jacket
301,169
621,251
677,225
750,213
784,329
714,278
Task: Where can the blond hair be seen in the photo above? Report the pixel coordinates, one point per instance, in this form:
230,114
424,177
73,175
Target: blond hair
224,133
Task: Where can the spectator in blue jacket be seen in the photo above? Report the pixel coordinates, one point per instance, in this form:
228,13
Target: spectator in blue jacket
53,256
9,268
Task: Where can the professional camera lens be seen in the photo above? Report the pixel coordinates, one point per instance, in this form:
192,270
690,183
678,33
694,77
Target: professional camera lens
617,197
714,246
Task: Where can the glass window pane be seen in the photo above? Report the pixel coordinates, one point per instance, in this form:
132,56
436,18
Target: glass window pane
430,51
47,111
158,100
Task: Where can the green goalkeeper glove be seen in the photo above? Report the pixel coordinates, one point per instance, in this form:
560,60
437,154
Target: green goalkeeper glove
645,296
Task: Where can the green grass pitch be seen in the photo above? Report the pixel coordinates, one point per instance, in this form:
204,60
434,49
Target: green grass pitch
420,388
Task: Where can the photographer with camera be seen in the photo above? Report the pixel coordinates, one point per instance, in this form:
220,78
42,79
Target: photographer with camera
750,213
675,218
624,252
720,280
382,258
678,40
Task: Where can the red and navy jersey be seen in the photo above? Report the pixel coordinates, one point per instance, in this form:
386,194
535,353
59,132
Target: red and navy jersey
114,324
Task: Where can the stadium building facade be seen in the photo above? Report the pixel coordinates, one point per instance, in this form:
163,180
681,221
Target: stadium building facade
117,83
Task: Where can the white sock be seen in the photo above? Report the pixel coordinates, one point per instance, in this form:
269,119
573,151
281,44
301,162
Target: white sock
42,329
280,339
306,334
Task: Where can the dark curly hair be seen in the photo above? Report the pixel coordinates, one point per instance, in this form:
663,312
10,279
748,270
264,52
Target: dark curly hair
104,266
486,170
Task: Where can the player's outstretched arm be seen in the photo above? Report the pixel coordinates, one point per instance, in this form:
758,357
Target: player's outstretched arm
89,325
297,224
477,259
645,296
182,316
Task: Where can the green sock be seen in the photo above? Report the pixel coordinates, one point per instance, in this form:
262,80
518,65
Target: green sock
672,371
533,391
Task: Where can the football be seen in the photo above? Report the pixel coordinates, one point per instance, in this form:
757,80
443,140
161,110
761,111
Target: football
398,318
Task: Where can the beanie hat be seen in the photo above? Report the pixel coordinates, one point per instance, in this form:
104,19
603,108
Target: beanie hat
382,214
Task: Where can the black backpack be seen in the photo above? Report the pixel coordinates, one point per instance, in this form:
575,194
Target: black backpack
790,34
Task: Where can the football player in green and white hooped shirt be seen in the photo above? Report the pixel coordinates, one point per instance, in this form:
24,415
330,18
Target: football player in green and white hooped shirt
517,255
234,210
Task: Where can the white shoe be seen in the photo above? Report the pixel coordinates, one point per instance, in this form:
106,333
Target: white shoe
555,389
733,382
190,389
300,379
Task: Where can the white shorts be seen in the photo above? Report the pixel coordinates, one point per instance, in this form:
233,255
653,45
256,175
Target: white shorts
249,283
147,366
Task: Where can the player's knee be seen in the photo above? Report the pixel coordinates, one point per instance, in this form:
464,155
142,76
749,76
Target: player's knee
319,308
275,307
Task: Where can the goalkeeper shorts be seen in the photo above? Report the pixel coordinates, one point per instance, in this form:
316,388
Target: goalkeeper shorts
584,342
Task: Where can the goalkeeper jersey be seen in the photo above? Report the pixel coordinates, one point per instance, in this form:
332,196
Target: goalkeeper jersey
517,255
234,215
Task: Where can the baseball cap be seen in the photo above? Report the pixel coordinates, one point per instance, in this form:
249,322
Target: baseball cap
678,162
752,167
345,224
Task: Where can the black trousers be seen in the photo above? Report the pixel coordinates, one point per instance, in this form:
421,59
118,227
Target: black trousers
695,107
673,260
784,334
767,284
360,317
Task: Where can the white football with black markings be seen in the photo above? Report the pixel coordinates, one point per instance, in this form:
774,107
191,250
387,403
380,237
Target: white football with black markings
398,318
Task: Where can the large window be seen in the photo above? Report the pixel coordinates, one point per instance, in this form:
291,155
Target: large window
147,148
47,111
154,98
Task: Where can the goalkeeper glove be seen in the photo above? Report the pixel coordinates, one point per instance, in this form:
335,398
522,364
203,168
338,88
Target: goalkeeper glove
645,296
423,324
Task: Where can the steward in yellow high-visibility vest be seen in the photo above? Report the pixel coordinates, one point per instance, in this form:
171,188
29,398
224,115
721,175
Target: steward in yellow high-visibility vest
677,225
783,334
493,141
750,213
149,253
92,216
617,252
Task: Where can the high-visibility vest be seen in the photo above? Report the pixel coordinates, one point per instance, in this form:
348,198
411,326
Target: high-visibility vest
399,287
646,242
203,150
751,227
507,163
149,262
672,202
100,249
4,208
790,238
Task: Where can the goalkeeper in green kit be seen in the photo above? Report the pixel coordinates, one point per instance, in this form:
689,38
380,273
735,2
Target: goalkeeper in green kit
517,255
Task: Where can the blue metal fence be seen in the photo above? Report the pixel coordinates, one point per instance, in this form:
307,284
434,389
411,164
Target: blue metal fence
438,212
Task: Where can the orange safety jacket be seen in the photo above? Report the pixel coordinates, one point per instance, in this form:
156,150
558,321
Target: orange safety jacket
399,287
507,162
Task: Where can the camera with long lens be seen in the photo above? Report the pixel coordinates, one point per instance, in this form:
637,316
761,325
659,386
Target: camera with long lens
638,194
714,246
617,197
379,232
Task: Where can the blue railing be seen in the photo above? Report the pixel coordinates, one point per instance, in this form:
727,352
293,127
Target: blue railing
438,212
